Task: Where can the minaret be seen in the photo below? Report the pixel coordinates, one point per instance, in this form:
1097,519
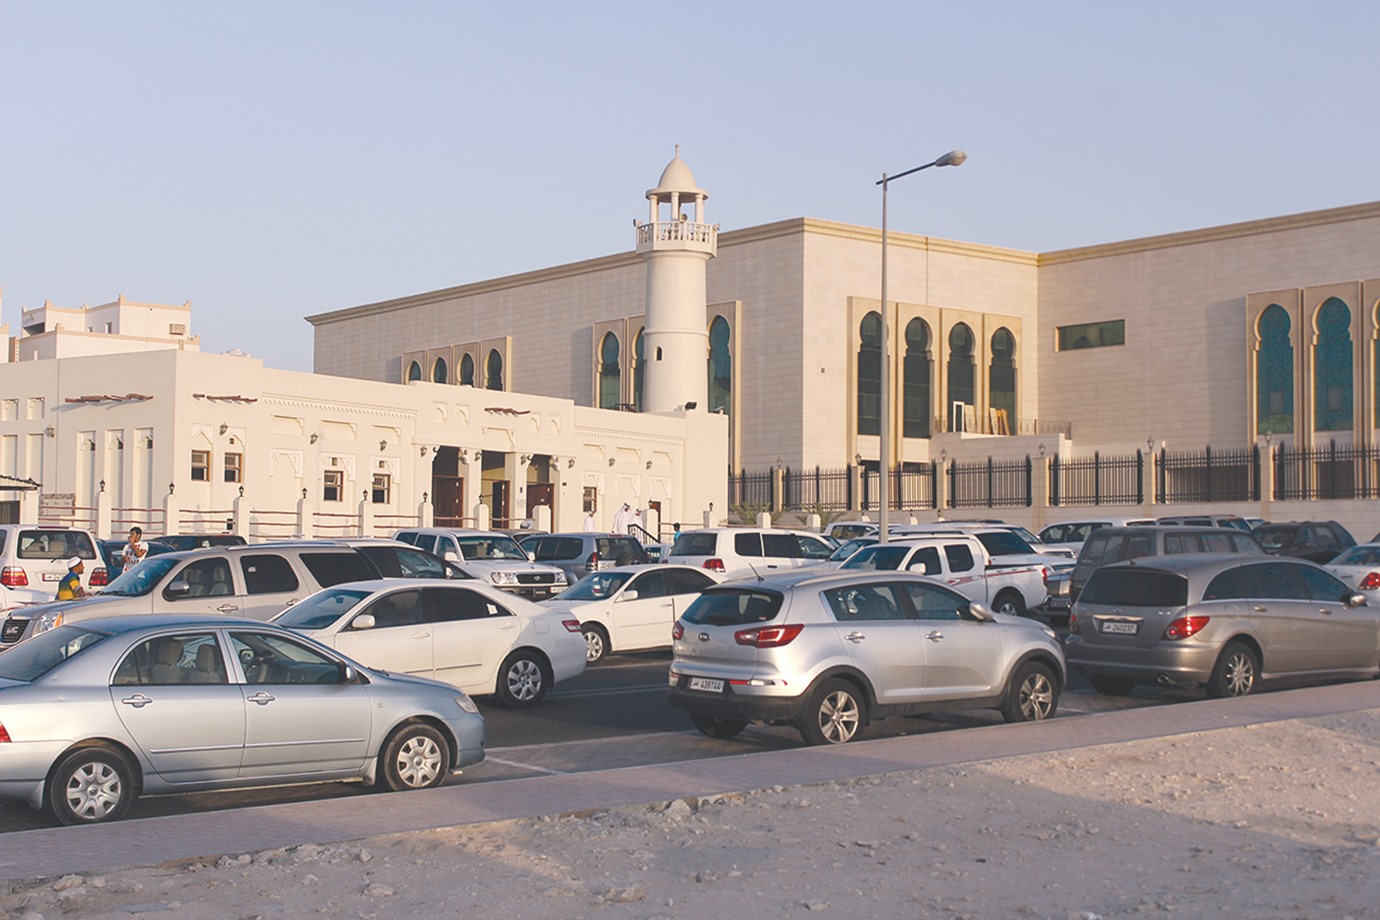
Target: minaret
677,248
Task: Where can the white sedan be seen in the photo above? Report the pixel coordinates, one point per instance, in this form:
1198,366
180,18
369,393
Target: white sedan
631,607
476,637
1359,567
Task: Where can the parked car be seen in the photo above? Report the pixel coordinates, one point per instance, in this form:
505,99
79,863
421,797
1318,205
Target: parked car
113,553
98,713
255,581
828,651
198,540
578,554
396,559
34,559
1120,544
469,634
631,608
1359,567
1316,541
738,551
1007,544
1071,534
1234,521
489,556
1222,622
960,561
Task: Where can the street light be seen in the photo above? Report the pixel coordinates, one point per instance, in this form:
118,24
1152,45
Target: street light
952,158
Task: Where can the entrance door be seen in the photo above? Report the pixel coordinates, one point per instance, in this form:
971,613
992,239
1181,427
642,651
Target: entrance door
499,509
449,501
540,493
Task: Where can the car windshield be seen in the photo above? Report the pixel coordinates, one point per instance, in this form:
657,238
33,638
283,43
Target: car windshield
31,659
1359,555
1275,537
849,548
877,558
141,579
732,607
492,546
596,586
321,609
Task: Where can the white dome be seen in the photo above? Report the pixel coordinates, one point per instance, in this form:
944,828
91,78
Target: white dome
676,177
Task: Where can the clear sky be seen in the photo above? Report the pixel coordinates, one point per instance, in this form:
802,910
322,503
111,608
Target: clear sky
271,160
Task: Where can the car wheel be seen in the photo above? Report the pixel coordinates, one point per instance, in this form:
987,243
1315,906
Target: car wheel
1032,695
1237,672
91,785
596,643
836,714
1010,603
522,680
415,757
715,727
1111,686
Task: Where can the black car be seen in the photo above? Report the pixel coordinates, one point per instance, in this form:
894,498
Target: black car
1316,541
113,553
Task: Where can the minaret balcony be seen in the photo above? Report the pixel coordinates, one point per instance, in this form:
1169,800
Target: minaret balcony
677,235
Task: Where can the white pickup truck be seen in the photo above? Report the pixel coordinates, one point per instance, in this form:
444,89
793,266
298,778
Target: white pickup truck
961,562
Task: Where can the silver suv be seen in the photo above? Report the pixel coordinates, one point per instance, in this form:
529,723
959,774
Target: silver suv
826,651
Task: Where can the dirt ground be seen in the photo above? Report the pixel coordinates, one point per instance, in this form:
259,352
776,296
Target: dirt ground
1271,821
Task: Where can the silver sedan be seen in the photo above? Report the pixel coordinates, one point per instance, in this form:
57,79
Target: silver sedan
94,713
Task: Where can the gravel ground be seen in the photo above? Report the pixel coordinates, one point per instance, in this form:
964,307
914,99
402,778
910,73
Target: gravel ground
1271,821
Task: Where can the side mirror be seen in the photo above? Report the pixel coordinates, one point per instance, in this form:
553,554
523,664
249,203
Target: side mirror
980,612
531,556
628,595
918,568
347,673
1356,600
178,588
450,556
363,621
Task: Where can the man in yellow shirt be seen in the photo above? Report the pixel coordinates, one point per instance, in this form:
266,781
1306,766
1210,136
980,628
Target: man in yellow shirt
70,589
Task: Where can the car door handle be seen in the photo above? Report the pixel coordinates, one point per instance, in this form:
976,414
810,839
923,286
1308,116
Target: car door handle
855,637
1324,611
1260,608
421,635
507,626
291,601
263,698
138,701
934,636
227,608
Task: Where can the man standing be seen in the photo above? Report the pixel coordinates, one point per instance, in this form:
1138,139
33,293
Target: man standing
70,589
135,549
622,519
590,524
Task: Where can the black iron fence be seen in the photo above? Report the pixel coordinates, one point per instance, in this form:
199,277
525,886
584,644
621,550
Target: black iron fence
1210,476
912,488
817,489
1327,472
751,489
1097,480
990,485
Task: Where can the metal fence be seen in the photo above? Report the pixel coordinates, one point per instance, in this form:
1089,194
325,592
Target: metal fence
912,488
1209,476
1097,480
751,489
817,489
1330,472
990,485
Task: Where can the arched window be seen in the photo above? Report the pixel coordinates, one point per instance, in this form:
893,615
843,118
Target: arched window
608,372
1332,367
414,371
639,370
720,367
438,371
467,370
961,372
493,371
1274,373
870,375
1001,378
915,403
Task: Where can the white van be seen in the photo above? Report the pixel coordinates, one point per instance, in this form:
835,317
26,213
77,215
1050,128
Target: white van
738,551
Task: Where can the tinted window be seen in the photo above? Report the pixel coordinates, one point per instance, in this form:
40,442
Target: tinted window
1244,543
622,550
811,548
401,608
321,609
32,658
1276,581
1218,542
1004,543
1233,584
596,586
650,584
1321,586
268,574
960,556
1138,546
1097,549
1135,588
695,544
554,549
1179,543
935,603
865,602
447,605
685,581
926,559
731,607
747,544
334,568
1275,538
877,557
408,536
1360,555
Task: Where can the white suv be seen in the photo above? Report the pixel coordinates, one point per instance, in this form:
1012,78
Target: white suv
34,559
735,552
490,556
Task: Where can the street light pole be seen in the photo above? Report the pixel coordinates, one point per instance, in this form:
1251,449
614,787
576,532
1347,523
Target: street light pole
952,158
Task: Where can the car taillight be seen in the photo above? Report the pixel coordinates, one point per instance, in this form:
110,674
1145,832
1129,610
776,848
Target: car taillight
678,630
1184,627
713,565
768,636
592,563
1044,575
1371,582
4,735
1073,622
12,576
571,625
99,577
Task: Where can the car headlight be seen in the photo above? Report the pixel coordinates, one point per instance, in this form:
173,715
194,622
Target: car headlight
1049,632
504,578
467,704
47,621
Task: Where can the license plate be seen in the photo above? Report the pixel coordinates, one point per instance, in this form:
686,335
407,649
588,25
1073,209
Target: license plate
707,684
48,577
1126,629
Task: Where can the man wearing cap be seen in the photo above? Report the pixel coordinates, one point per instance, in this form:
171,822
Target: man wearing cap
70,589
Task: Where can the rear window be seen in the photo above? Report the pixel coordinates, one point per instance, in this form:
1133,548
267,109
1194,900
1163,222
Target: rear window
267,574
55,544
336,568
733,608
695,544
747,544
1135,588
1275,537
1004,543
622,550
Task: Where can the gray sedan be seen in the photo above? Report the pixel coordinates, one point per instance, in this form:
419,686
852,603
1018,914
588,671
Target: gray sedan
1222,622
95,713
